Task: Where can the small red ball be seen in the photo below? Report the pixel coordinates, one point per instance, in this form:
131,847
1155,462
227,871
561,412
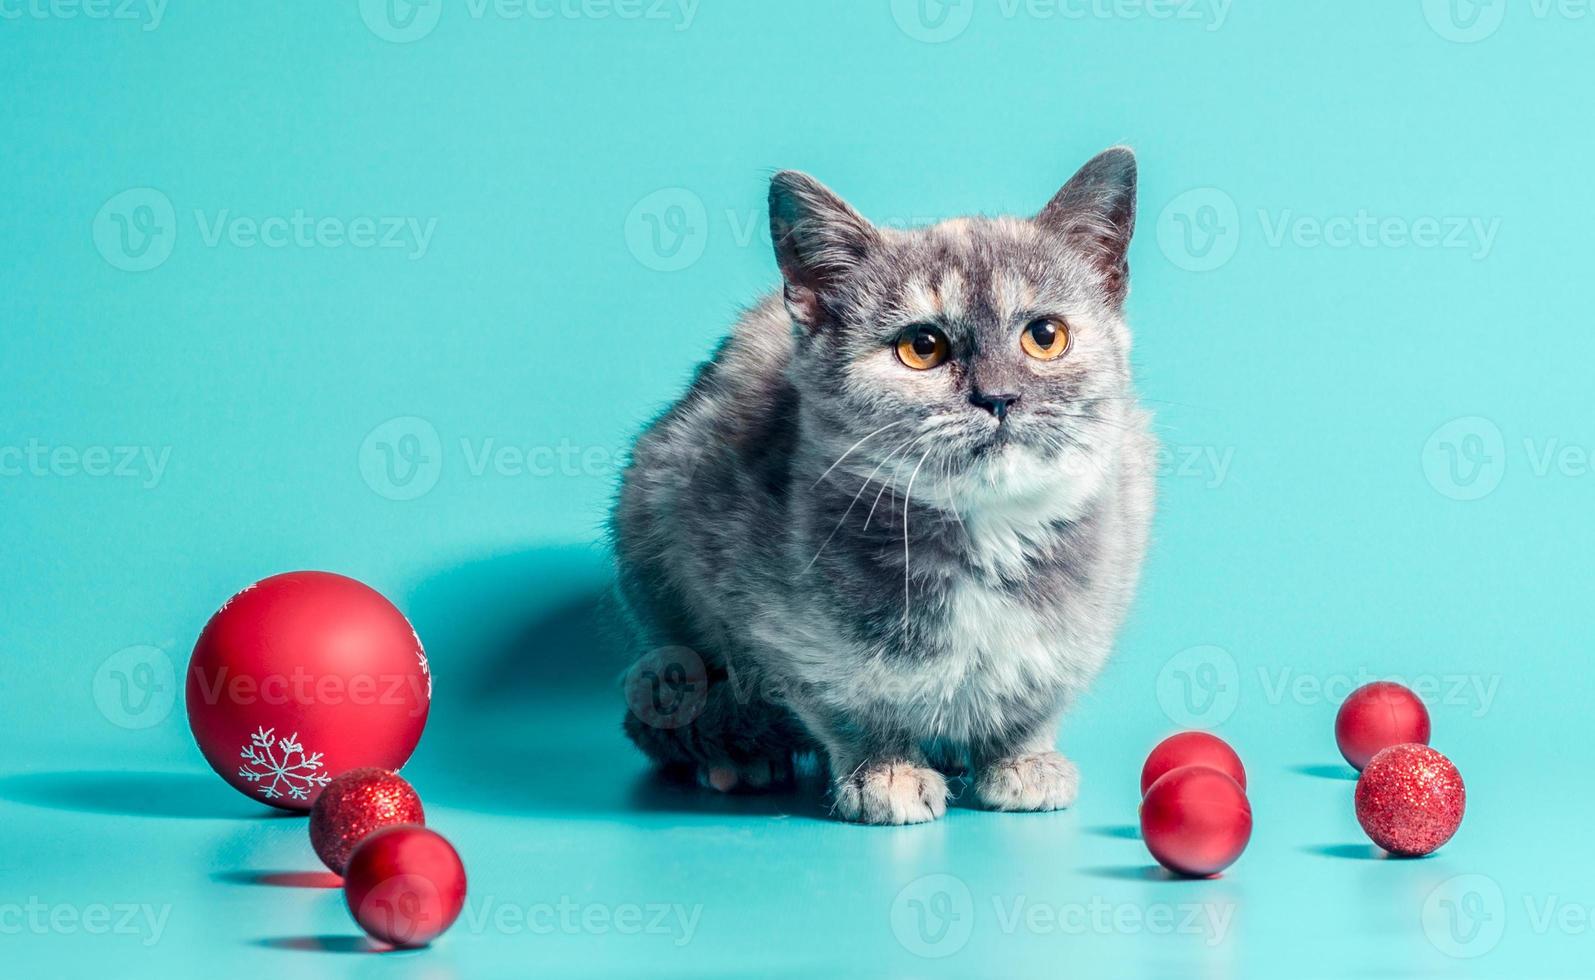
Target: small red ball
1410,799
353,805
1377,716
1196,821
405,885
1192,749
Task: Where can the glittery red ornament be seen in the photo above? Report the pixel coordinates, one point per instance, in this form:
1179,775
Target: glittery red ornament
355,804
405,885
1192,749
1410,799
1196,821
1377,716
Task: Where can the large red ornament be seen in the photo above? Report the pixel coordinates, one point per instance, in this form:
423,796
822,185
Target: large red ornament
1410,799
353,806
405,885
300,677
1192,749
1196,821
1377,716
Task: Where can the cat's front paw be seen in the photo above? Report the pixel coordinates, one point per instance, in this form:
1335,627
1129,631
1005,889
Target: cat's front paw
1033,781
891,793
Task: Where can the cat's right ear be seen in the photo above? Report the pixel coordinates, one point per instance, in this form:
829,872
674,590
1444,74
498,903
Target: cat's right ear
819,242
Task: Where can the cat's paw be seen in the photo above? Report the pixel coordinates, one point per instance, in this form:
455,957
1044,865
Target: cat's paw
891,793
751,776
1033,781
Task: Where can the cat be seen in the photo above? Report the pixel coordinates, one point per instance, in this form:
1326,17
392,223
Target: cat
898,517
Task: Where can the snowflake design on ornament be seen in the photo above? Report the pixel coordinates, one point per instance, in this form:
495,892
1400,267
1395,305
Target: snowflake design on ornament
426,668
280,765
237,594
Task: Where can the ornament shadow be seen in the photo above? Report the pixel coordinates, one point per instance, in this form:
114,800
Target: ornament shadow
1139,872
135,794
1353,852
1118,831
280,879
1327,772
654,791
326,944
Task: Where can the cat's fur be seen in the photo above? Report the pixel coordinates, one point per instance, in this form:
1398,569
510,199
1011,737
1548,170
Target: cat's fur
867,563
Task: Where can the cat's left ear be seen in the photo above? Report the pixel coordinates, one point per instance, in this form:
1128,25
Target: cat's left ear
1095,211
819,242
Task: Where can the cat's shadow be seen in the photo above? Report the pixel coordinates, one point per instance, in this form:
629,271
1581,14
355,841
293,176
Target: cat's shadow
656,791
527,704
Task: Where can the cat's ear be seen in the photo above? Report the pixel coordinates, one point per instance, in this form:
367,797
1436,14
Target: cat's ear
819,241
1095,210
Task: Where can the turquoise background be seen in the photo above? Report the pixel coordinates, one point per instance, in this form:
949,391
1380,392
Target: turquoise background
1362,300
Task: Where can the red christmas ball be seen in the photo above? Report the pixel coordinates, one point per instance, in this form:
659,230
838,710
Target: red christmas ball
1410,799
1192,749
1196,821
1377,716
300,677
355,804
405,885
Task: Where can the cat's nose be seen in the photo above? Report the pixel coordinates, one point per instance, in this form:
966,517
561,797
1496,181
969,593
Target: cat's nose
997,405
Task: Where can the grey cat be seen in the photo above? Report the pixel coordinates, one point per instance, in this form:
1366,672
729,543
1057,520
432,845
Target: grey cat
898,517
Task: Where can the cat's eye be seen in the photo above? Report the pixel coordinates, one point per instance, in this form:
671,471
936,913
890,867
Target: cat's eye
922,347
1045,339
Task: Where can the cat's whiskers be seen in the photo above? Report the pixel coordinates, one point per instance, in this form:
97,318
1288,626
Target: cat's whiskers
853,447
909,444
857,494
908,496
